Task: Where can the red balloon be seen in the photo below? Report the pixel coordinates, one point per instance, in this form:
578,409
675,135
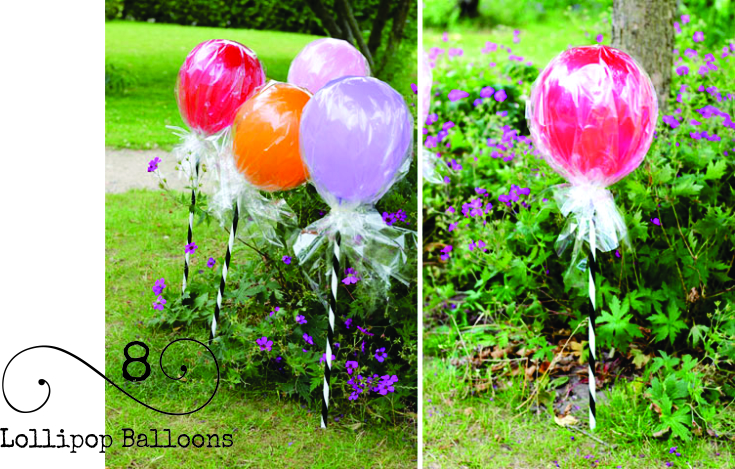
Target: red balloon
592,114
215,79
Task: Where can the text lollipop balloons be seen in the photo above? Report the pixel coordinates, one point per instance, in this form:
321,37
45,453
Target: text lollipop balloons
266,138
356,133
592,114
324,60
215,79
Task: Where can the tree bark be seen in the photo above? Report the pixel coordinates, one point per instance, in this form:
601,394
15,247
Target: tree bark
645,30
468,8
381,18
399,22
325,17
346,11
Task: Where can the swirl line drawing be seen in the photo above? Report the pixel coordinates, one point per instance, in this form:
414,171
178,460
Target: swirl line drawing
183,369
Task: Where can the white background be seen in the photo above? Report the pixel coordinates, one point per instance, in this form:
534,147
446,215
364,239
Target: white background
52,234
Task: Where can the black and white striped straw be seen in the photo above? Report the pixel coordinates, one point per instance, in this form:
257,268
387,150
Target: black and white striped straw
190,234
330,329
225,268
591,343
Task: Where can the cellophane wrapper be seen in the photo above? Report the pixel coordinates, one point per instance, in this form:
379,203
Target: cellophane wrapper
261,219
592,115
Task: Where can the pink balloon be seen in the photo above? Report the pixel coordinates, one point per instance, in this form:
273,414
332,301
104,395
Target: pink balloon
324,60
215,79
592,114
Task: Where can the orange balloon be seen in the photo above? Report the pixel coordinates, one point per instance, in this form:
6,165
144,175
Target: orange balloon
265,137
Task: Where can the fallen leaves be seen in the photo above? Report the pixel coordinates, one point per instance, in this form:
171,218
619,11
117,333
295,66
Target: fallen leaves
566,421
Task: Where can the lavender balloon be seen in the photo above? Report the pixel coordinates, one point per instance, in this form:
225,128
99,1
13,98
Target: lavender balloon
324,60
356,135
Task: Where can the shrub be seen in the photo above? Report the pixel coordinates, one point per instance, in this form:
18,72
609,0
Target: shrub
113,9
265,299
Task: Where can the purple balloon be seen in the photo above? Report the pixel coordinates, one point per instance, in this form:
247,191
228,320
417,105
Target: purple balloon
324,60
356,134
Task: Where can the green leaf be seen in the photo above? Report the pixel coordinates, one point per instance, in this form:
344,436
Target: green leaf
716,170
616,326
685,186
698,333
668,325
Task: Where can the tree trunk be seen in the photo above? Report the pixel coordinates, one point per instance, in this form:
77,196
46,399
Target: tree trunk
376,33
325,17
468,8
645,30
345,11
399,22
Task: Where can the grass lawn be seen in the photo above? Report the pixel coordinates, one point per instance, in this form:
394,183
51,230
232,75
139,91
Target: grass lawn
145,232
147,58
487,431
539,43
150,55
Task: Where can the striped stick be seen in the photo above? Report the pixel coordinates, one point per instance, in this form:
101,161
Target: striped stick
330,330
225,268
190,234
591,343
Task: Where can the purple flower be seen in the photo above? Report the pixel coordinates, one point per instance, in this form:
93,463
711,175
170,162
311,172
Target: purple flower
190,248
348,321
487,92
211,262
477,102
691,53
414,88
445,36
158,304
685,19
351,276
677,28
153,164
301,319
308,339
385,385
455,95
500,96
671,120
479,244
452,226
381,354
698,36
617,253
656,221
366,332
159,286
265,344
599,38
683,70
273,311
286,260
445,252
351,366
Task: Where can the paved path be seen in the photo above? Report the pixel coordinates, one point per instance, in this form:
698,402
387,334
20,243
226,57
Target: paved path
127,169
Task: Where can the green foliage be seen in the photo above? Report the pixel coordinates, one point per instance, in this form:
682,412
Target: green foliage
683,398
117,81
616,329
288,15
114,9
446,13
